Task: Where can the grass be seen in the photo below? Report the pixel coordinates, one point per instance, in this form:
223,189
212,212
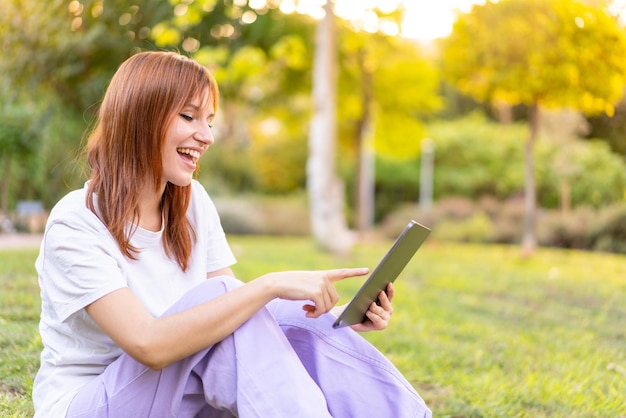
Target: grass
478,330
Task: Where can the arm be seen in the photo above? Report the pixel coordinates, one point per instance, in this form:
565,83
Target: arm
158,342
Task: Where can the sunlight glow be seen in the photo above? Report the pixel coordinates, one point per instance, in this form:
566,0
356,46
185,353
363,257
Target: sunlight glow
313,8
423,19
427,20
258,4
618,8
287,7
248,17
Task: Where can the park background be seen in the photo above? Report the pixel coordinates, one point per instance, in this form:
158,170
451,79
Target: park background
506,136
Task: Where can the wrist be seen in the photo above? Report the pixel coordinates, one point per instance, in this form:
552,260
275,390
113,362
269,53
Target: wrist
269,286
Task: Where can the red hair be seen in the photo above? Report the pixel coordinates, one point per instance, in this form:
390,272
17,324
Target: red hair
124,148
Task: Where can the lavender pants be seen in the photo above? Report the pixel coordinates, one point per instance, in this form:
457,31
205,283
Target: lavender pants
277,364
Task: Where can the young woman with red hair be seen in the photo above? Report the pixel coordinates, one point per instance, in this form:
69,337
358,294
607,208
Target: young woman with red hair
141,315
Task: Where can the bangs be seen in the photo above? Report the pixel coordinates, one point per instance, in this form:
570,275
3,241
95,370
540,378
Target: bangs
197,84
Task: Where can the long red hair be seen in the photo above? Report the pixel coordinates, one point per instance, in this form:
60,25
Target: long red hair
124,148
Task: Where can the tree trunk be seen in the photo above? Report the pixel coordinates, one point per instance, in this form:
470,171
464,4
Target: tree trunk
529,242
566,197
366,195
365,149
326,192
504,113
5,184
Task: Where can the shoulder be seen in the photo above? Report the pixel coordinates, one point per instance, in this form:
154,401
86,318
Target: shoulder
73,226
202,211
200,199
198,191
72,209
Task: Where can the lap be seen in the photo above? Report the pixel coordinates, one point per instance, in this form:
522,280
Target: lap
352,377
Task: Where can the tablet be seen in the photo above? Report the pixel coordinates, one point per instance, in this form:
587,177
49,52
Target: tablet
386,272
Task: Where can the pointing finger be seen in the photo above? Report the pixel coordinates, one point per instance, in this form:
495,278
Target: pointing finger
340,274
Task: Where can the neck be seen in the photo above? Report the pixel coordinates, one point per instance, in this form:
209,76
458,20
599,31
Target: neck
150,211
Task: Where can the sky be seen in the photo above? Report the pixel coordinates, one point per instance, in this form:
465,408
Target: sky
426,20
431,19
423,19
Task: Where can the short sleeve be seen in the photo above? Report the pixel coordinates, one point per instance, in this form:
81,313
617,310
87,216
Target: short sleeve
77,266
204,215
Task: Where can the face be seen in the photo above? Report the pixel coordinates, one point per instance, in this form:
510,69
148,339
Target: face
186,139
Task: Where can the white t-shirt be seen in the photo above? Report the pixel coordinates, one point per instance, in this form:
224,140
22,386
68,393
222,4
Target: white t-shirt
79,262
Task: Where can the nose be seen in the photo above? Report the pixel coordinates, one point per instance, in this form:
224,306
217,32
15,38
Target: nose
204,135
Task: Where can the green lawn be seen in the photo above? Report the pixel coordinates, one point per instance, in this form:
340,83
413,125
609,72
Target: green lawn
478,330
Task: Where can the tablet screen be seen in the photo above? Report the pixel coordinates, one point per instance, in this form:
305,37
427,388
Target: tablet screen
387,271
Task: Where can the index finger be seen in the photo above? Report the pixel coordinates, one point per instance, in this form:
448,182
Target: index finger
340,274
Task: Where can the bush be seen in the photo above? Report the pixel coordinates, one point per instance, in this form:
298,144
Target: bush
476,228
596,176
239,216
396,181
452,208
492,221
279,166
229,165
393,224
609,232
475,157
258,215
507,218
455,207
567,230
451,219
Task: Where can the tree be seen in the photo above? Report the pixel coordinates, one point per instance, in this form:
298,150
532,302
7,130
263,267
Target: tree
220,32
73,47
326,193
261,60
57,57
564,127
16,145
68,50
541,53
386,89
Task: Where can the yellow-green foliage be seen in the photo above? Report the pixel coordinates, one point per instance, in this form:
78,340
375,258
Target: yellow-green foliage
474,157
556,53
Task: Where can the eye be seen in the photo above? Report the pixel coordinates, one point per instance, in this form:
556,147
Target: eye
186,117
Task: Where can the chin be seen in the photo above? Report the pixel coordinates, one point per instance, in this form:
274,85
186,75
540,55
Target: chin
181,182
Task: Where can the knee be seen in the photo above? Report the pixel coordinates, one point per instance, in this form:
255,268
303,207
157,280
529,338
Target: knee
205,291
228,283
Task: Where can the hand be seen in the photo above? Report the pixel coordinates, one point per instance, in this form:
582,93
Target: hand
378,316
314,286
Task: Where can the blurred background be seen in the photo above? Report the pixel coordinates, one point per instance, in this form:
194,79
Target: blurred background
501,125
491,122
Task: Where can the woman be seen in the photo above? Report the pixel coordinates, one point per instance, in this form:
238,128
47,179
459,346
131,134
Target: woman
130,324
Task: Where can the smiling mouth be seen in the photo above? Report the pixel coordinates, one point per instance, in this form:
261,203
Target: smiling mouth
189,154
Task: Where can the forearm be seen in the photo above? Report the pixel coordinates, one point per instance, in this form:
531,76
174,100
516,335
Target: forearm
177,336
158,342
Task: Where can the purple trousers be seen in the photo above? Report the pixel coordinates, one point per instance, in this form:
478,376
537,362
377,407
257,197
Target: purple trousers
277,364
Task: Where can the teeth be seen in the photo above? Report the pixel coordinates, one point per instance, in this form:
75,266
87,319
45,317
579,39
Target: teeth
192,153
